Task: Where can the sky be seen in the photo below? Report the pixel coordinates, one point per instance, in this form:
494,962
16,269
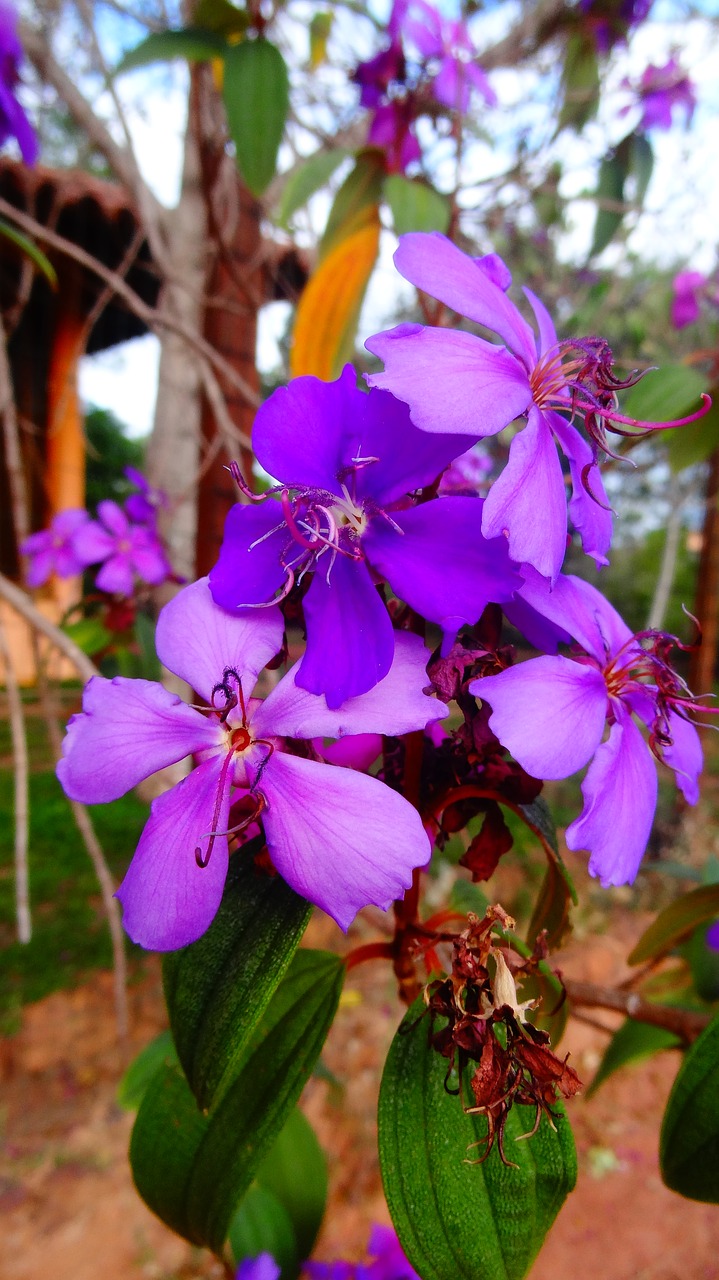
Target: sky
125,379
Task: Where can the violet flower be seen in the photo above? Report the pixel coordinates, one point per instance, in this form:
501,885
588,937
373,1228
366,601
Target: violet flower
144,505
339,838
388,1261
611,23
551,712
347,462
450,44
659,91
54,550
392,130
689,289
13,120
457,382
263,1267
127,550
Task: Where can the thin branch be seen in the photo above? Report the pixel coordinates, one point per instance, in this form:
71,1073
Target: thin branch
21,602
685,1023
22,794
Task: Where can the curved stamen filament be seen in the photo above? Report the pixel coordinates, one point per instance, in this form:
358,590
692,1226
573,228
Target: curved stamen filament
200,858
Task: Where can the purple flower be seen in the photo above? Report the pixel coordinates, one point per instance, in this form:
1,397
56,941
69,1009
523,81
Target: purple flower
467,473
339,838
456,382
127,550
54,550
551,712
392,130
686,288
263,1267
611,23
348,461
450,44
13,121
144,505
712,936
388,1261
377,74
659,91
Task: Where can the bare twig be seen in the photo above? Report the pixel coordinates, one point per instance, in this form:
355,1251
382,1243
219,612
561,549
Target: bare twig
20,760
685,1023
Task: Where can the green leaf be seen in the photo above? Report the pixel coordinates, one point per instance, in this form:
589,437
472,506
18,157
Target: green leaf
415,205
689,1140
696,441
664,394
262,1225
612,176
256,92
703,961
192,1168
676,922
31,251
221,16
166,1138
193,44
580,83
250,1115
355,202
308,178
454,1218
134,1084
89,635
641,164
295,1172
633,1042
218,988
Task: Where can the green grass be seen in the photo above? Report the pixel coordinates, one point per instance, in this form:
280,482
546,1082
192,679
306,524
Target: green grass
70,935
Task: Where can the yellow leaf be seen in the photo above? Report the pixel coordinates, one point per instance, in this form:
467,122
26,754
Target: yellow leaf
328,311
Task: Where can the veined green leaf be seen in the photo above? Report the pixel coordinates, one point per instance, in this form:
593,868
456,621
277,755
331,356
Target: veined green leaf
415,205
633,1042
262,1225
676,922
455,1218
136,1080
308,178
689,1141
193,44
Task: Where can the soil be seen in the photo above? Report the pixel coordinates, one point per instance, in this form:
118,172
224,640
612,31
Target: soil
70,1210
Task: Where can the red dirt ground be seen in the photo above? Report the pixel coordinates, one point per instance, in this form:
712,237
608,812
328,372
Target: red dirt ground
70,1211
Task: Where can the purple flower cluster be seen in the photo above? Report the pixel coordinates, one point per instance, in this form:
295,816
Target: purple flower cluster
659,92
689,290
429,61
13,120
353,541
125,543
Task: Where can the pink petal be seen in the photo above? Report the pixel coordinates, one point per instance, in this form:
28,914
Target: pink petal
396,705
127,730
684,756
452,381
339,838
168,900
620,796
549,712
198,640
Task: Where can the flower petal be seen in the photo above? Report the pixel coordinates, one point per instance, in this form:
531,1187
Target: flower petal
298,433
528,500
350,640
431,262
340,838
198,640
113,517
620,796
452,381
589,508
249,570
684,756
127,730
116,576
440,563
549,712
168,900
397,704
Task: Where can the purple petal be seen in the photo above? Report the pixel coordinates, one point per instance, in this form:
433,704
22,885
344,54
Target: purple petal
42,562
397,704
528,501
408,458
350,641
339,838
452,381
198,640
358,751
263,1267
589,508
93,543
684,756
148,557
478,80
440,563
168,900
431,262
620,796
578,610
537,629
249,570
127,730
298,434
450,85
545,324
113,517
549,712
116,576
67,523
